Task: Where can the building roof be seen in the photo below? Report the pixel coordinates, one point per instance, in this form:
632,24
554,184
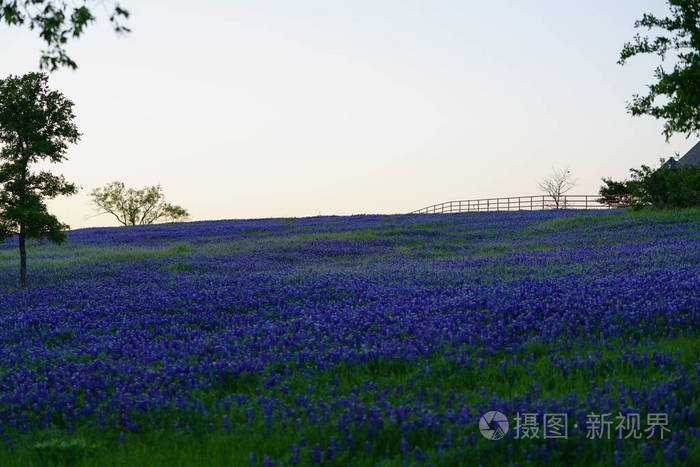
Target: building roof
691,157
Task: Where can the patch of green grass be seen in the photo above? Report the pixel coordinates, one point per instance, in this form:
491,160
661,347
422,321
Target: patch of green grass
568,222
681,215
619,217
179,248
64,451
179,267
56,256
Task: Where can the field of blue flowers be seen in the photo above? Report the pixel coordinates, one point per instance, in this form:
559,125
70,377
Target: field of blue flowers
357,341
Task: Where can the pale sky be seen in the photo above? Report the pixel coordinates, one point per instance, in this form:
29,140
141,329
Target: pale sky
249,109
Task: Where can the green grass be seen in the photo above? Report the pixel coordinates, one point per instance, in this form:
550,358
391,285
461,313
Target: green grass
46,255
219,447
585,220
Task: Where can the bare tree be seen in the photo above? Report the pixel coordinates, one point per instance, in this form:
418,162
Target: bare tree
136,207
557,184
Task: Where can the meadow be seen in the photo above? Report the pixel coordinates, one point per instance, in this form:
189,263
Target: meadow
356,341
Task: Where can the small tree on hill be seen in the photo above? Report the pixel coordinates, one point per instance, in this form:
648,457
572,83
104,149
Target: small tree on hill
136,207
557,185
36,125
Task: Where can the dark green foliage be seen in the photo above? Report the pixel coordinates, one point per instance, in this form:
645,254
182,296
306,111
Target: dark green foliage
680,87
612,191
57,22
136,207
36,125
61,451
663,188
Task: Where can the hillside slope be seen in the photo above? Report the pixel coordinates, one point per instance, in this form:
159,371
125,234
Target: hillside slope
357,340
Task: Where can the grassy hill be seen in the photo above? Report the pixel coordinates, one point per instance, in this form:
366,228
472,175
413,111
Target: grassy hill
363,340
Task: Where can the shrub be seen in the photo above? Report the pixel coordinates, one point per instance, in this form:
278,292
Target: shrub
664,187
612,191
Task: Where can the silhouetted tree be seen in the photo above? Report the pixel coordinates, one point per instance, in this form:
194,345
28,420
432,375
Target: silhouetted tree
557,184
679,89
57,22
36,125
614,193
665,187
136,207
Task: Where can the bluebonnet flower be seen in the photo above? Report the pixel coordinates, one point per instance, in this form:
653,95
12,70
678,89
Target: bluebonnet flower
118,342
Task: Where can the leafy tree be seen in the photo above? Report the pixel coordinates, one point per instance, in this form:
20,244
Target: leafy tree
136,207
58,22
613,192
678,89
664,187
36,125
557,185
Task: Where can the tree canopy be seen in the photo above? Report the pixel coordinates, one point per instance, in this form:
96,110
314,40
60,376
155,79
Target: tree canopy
675,96
36,125
57,22
136,206
665,187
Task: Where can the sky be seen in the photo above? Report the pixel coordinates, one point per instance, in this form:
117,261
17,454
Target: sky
271,108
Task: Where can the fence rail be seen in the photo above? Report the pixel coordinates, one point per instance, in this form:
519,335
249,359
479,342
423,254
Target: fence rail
525,203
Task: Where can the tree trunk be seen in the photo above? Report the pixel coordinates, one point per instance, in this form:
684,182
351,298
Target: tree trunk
22,260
